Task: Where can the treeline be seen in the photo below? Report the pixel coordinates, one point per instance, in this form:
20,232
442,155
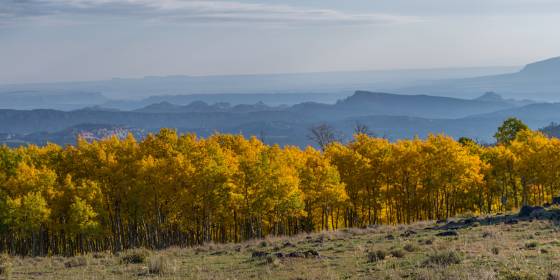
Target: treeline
181,190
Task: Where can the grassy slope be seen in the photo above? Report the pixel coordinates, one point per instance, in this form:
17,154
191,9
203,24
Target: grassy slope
488,249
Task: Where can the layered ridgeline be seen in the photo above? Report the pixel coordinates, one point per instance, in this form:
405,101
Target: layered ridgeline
538,81
273,89
390,115
171,189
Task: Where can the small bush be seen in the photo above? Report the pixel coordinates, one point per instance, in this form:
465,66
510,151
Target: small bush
410,247
273,260
100,255
398,253
553,276
495,250
135,256
444,258
532,245
377,255
5,266
76,262
426,242
519,276
160,265
448,233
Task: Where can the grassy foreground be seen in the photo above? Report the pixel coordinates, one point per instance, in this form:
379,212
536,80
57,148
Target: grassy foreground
498,247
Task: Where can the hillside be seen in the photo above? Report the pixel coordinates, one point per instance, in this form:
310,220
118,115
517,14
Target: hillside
495,247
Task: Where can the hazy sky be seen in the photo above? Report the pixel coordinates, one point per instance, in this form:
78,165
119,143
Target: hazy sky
54,40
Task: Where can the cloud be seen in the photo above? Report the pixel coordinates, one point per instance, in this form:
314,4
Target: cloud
13,11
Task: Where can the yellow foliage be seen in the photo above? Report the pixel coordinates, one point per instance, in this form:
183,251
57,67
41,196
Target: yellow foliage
171,189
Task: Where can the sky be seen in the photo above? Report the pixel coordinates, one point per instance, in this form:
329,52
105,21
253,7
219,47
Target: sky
72,40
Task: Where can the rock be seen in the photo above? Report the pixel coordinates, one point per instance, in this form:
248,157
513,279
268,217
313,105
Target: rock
295,255
526,210
448,233
288,244
408,233
441,221
390,237
320,239
218,253
311,253
539,214
452,225
511,222
259,254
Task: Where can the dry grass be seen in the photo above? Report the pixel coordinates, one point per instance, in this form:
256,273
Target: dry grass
526,250
161,265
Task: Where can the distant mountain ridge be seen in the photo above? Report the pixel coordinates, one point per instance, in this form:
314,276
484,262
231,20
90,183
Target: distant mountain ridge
203,107
546,68
337,82
359,104
27,100
419,112
536,81
364,103
391,115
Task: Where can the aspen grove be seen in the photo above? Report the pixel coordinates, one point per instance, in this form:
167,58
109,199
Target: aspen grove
181,190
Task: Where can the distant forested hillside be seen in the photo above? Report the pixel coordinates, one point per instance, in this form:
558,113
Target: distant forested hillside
389,115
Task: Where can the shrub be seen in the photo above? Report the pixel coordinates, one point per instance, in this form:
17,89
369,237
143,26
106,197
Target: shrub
160,265
135,256
532,245
495,250
100,255
398,253
553,276
76,262
377,255
5,266
444,258
410,247
427,241
519,276
272,259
